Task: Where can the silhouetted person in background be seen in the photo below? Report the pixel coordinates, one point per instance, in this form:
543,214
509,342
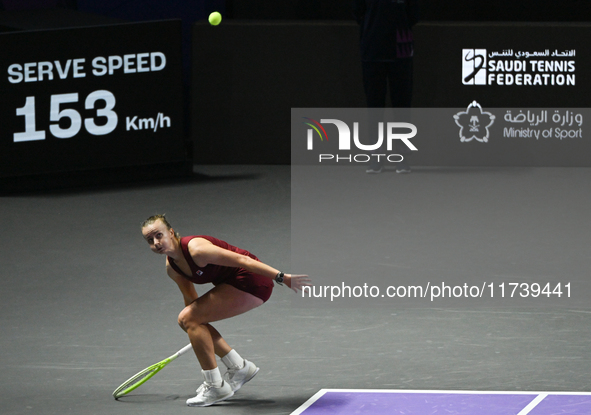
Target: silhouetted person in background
386,55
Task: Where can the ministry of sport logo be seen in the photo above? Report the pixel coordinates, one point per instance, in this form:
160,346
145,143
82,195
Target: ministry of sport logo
387,132
474,123
474,66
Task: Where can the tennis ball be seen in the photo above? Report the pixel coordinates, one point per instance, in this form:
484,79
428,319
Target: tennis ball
215,18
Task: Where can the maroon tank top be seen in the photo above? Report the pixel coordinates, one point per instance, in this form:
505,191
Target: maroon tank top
210,273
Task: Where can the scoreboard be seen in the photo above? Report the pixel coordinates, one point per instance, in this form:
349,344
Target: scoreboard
91,98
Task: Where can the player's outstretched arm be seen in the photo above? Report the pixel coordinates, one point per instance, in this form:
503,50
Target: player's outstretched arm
204,252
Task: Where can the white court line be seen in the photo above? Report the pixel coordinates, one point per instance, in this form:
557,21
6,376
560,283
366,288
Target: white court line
533,404
524,411
310,401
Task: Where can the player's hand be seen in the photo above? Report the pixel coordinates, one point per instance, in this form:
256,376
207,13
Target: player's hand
297,282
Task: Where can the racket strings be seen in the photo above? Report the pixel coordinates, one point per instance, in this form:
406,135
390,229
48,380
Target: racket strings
136,381
141,377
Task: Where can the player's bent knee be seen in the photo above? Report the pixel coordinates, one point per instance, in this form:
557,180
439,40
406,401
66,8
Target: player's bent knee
188,317
181,325
184,319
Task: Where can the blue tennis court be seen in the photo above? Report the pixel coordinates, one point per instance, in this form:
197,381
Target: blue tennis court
403,402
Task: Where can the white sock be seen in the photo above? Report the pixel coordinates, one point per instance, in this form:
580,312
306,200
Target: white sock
213,377
233,360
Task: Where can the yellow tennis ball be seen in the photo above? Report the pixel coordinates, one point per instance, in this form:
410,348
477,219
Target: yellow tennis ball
215,18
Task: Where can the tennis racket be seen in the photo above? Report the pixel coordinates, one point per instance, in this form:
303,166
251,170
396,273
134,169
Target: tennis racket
141,377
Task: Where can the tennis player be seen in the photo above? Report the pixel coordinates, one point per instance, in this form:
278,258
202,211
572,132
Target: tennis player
241,283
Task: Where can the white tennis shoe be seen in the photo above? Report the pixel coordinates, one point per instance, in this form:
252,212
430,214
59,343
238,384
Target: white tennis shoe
238,377
208,394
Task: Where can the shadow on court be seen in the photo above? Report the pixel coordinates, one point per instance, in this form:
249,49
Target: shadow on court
236,404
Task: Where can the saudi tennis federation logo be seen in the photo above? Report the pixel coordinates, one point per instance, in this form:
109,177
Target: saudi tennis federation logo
474,123
316,126
474,66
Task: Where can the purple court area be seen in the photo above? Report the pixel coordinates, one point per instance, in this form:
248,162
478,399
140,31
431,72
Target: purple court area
350,402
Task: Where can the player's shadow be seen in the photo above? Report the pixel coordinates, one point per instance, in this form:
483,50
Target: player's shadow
252,404
147,398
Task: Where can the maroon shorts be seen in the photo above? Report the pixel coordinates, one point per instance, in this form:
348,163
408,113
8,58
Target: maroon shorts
254,284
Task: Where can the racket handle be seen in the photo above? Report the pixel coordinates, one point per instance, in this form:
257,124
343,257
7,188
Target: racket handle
185,349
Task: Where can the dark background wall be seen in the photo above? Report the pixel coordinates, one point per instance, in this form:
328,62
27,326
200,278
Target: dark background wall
248,75
190,10
459,10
